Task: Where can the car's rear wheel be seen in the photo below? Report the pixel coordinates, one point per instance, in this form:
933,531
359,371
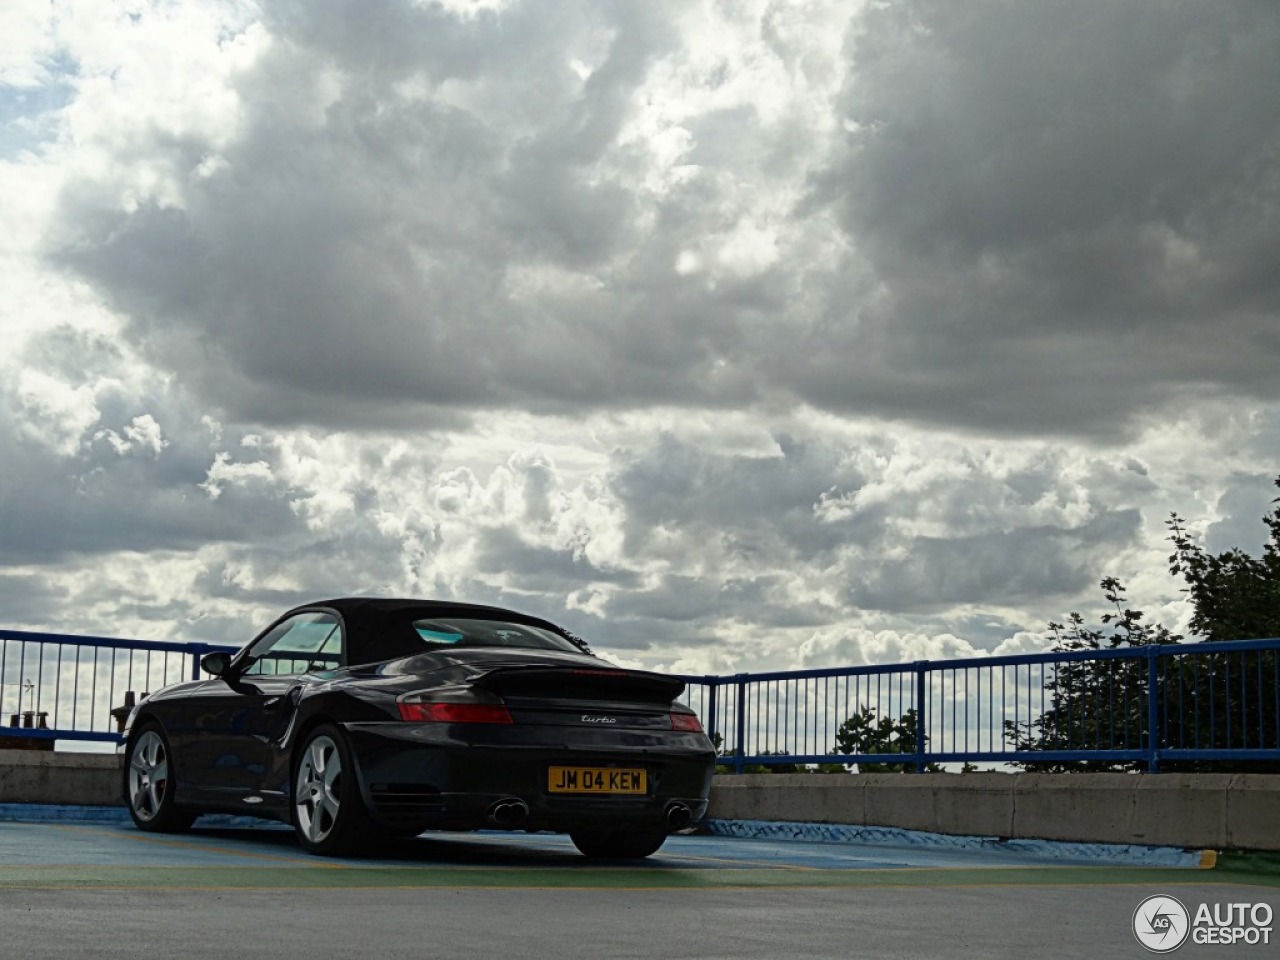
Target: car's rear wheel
149,783
618,844
329,816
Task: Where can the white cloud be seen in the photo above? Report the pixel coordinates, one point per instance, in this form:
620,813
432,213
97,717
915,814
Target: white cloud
26,43
224,472
863,647
467,9
54,413
143,434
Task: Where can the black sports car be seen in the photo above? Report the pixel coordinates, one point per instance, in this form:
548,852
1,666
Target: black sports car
360,719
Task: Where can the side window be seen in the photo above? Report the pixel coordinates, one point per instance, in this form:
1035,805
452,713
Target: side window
302,644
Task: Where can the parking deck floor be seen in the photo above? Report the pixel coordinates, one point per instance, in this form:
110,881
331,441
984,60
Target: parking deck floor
106,890
115,854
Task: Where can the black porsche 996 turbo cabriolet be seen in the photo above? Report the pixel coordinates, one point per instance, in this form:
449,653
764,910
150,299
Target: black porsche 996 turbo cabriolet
360,719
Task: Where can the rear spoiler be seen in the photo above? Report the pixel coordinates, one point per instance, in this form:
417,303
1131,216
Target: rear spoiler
580,683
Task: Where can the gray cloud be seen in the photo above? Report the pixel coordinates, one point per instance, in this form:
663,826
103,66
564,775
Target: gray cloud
528,567
351,269
994,569
756,508
29,599
1246,500
946,539
1064,214
103,499
1057,219
419,248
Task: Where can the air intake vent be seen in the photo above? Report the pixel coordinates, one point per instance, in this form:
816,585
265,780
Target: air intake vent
406,804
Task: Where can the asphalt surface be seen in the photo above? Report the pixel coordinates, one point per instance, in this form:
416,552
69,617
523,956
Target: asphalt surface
106,890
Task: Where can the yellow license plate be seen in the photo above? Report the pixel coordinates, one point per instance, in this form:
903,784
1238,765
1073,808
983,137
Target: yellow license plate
624,780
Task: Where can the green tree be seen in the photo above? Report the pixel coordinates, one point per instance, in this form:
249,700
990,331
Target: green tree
718,741
1234,596
865,733
1094,703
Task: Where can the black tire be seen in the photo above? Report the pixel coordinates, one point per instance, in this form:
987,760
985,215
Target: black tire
149,785
328,814
618,844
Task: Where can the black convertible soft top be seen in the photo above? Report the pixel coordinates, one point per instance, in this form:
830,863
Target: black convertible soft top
380,628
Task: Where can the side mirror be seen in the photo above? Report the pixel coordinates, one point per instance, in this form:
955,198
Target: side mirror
216,664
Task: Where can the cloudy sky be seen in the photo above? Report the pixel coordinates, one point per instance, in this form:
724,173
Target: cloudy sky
733,335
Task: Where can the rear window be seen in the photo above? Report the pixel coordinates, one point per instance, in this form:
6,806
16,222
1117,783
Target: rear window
442,633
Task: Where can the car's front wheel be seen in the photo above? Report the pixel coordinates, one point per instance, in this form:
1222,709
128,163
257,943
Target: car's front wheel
618,844
149,783
329,815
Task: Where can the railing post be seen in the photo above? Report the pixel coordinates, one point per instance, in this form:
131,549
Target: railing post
1153,709
921,668
198,650
739,760
713,688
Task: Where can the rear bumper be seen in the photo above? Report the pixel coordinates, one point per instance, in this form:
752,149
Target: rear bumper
452,776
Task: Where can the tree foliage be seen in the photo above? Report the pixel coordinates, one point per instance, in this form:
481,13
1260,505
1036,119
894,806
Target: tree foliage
865,733
1102,704
1235,596
1094,703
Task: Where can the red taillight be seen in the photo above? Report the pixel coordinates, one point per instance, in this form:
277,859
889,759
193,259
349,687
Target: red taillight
454,712
686,723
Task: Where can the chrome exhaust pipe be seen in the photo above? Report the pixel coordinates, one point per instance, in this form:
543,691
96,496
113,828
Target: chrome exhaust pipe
508,813
679,815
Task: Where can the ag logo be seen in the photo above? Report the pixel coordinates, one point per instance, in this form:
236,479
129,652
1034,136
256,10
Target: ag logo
1161,924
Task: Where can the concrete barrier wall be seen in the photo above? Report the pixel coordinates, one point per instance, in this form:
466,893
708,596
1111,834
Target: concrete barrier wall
1217,811
29,776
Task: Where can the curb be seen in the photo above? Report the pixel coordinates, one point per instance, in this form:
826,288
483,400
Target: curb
53,812
1099,853
1103,853
65,813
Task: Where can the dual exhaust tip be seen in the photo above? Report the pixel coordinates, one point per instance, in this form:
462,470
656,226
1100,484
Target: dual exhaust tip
678,815
509,813
513,812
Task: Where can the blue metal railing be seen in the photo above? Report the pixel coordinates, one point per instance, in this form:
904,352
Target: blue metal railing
1135,706
54,686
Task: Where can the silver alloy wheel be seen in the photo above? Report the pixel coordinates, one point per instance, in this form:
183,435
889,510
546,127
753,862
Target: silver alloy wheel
316,794
148,775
